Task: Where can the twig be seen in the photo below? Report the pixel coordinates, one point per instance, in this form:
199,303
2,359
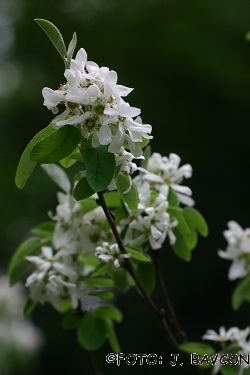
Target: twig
129,266
181,333
93,363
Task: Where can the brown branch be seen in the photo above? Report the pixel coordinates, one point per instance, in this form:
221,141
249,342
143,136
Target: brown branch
130,268
93,363
180,331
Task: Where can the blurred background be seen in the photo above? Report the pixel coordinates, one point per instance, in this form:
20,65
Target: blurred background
189,63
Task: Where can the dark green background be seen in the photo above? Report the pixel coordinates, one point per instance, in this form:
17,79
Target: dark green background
190,66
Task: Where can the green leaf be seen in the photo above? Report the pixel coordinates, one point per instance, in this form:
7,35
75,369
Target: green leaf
131,198
113,340
247,36
138,255
100,281
121,279
57,145
66,305
180,246
58,175
173,199
26,166
228,370
192,238
183,226
240,292
100,166
146,153
106,295
197,347
91,332
71,49
71,320
112,199
18,265
83,190
45,229
54,35
146,273
88,204
29,307
194,217
67,162
109,312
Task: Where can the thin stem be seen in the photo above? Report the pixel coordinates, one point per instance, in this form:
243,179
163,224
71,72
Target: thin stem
93,363
129,266
163,287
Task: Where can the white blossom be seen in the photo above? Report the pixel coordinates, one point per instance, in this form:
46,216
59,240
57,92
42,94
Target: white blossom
238,250
111,253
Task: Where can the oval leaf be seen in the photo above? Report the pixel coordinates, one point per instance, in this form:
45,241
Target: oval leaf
54,35
100,166
56,146
138,256
131,198
26,166
18,265
240,292
197,347
83,190
29,307
194,216
180,246
109,312
91,332
183,226
71,320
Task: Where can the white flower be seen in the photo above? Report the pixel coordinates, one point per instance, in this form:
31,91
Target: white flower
111,253
165,173
222,336
238,250
93,100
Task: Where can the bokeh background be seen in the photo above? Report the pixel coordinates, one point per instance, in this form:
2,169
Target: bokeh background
189,63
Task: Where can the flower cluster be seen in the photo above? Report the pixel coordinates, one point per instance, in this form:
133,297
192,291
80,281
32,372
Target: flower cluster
93,100
59,271
151,222
111,253
238,250
165,174
237,339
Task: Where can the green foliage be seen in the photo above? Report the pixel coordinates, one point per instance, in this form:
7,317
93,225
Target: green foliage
183,226
26,166
54,35
121,280
112,338
180,246
92,331
109,312
138,254
57,145
71,320
57,175
28,307
112,199
173,199
229,370
197,347
131,198
241,292
18,266
45,229
100,166
100,281
71,49
193,216
82,190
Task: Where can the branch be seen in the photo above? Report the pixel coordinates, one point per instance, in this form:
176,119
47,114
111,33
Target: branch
170,308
